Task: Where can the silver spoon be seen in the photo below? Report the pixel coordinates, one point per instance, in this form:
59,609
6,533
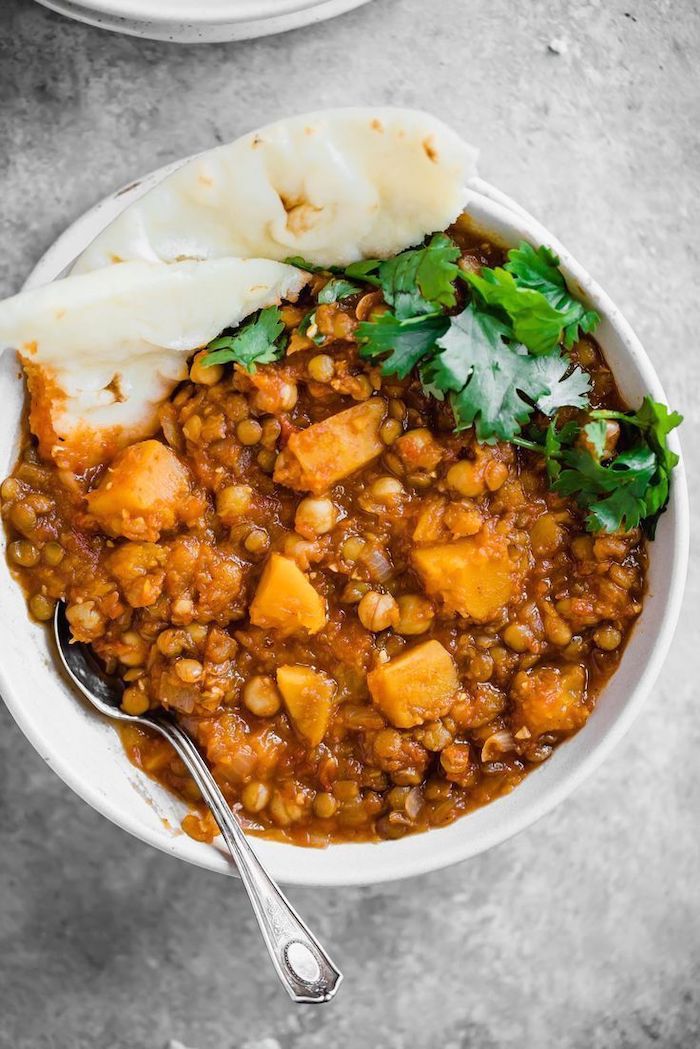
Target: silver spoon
302,965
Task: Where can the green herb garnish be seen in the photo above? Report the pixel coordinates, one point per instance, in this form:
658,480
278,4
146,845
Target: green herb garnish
337,289
493,383
631,487
538,269
308,321
257,342
536,323
421,281
403,344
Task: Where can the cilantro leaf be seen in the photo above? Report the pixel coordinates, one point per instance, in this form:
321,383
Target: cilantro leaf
364,270
653,422
536,323
309,321
630,489
538,269
495,386
614,493
421,281
337,289
402,343
310,267
255,343
562,390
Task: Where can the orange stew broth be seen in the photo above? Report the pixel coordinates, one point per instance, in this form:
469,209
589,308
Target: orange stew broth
169,609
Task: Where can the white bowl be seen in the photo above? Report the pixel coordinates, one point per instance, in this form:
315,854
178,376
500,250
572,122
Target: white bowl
200,21
86,752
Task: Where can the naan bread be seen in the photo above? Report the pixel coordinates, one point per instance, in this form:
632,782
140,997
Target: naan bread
333,187
103,350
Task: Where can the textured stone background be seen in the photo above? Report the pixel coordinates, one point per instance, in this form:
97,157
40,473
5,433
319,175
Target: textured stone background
584,932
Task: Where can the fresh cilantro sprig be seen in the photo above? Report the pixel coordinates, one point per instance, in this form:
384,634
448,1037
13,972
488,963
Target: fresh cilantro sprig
493,383
619,491
415,282
421,281
402,344
538,270
256,342
337,289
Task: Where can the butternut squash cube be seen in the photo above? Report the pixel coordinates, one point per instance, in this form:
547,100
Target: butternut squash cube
142,492
417,686
474,577
308,696
326,452
285,599
550,699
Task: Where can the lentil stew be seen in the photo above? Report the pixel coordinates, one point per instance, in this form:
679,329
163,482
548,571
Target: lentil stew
371,624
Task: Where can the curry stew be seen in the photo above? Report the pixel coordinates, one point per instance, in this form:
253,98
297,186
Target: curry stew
369,623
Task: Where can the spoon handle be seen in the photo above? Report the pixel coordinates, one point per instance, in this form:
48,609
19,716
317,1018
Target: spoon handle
302,965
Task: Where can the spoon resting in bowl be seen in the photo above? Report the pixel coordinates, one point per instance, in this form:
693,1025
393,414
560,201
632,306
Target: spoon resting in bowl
304,968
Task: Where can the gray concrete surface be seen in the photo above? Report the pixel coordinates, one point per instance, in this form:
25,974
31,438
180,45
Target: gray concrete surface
583,933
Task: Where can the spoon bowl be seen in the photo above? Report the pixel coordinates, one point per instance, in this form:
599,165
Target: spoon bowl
303,966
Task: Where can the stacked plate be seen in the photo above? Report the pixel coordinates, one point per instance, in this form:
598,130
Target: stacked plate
200,21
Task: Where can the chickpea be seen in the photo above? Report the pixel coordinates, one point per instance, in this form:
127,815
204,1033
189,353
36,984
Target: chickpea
197,631
465,478
10,489
545,535
315,516
325,806
136,650
134,701
397,409
85,619
23,553
52,554
321,368
362,388
42,608
280,399
189,670
415,615
518,637
390,430
387,490
233,501
171,643
257,541
557,631
495,475
346,790
203,374
192,429
271,430
378,611
266,460
23,517
255,796
262,697
607,638
436,736
249,431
